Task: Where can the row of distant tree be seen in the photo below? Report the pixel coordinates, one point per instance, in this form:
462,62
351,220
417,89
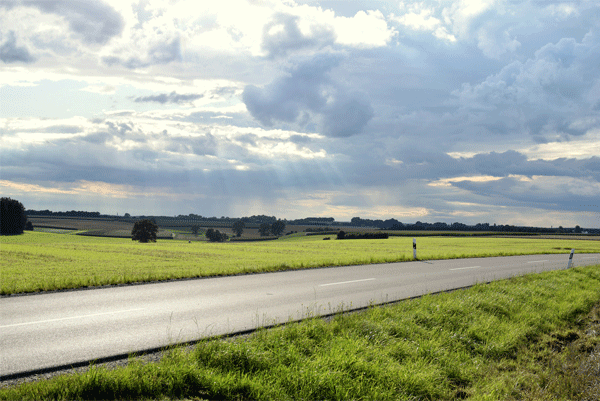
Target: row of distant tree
389,224
265,229
72,213
393,224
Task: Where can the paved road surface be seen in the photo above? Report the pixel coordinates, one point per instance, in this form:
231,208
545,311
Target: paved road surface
43,331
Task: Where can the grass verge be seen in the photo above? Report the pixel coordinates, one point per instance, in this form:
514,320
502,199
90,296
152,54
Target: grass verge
497,341
37,261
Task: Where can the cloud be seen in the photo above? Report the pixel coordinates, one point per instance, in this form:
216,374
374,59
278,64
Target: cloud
559,73
421,18
95,21
344,119
283,35
309,89
204,145
162,51
549,193
11,53
544,96
172,97
366,29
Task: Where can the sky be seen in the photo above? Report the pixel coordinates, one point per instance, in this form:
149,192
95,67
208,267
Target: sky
467,111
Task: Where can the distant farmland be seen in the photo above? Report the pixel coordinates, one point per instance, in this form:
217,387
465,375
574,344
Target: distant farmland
38,261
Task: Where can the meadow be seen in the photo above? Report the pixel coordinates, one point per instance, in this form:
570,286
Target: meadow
41,261
532,337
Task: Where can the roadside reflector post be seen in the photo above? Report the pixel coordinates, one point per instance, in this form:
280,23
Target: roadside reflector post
570,258
414,248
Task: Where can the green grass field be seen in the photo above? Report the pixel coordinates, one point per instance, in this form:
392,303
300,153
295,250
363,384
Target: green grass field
506,340
37,261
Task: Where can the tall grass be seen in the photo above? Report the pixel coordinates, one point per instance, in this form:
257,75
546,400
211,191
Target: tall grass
38,261
464,344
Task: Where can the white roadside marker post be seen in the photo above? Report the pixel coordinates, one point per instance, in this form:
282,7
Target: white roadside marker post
414,248
570,258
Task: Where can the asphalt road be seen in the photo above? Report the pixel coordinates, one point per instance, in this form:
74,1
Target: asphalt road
50,330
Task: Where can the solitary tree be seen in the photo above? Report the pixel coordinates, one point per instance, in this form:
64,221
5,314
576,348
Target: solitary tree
216,235
195,229
144,231
238,227
277,228
264,229
12,216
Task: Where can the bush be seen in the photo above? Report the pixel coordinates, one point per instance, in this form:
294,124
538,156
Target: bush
144,231
216,235
343,235
12,216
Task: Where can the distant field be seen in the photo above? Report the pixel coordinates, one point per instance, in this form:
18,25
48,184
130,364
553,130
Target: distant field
37,261
79,223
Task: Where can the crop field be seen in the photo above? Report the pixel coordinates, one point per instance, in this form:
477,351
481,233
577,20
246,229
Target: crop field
72,223
527,338
38,261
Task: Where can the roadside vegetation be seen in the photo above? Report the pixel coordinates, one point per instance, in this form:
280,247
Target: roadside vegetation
533,337
38,261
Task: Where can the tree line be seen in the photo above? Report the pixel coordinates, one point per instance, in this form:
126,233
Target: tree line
393,224
72,213
389,224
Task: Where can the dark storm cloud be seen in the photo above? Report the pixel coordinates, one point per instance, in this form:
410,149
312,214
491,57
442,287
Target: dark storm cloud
95,21
11,53
512,191
347,118
172,97
309,88
286,97
282,36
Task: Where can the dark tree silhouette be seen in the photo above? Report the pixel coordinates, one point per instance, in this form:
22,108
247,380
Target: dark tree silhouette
216,235
195,229
277,228
264,229
144,231
238,227
12,216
